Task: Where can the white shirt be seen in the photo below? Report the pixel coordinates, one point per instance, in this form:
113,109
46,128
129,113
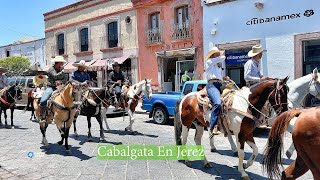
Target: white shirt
212,69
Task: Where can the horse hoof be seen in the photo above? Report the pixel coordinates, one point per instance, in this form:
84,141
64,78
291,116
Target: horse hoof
208,165
60,142
213,150
76,134
12,127
235,154
288,154
245,178
102,139
126,129
89,139
245,166
131,133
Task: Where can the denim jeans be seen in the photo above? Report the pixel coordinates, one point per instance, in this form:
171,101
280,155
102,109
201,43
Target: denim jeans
46,95
214,95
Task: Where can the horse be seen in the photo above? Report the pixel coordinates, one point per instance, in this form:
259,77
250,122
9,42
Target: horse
245,110
91,107
60,108
8,100
306,139
130,97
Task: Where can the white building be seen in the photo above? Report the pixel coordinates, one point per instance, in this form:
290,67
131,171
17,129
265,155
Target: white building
288,29
30,48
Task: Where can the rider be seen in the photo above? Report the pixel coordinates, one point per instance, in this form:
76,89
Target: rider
81,76
215,79
3,80
252,67
39,80
117,77
56,76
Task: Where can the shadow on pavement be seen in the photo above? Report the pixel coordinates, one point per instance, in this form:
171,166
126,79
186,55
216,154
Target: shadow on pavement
60,150
2,126
84,139
135,133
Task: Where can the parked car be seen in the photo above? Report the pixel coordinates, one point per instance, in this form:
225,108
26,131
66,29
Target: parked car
161,105
26,82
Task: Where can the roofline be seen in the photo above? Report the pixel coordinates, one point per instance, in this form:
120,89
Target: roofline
66,7
22,43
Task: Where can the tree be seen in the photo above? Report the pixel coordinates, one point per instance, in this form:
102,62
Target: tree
15,64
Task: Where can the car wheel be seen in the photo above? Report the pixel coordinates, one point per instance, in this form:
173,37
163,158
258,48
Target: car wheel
159,115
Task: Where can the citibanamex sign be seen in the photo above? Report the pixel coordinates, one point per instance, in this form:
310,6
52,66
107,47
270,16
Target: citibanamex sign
306,13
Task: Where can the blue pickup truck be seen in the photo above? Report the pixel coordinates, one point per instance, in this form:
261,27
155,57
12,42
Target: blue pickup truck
161,105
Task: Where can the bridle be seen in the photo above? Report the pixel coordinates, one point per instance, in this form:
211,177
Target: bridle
277,97
314,84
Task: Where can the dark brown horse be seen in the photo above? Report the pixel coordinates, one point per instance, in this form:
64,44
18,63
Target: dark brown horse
243,117
306,139
8,101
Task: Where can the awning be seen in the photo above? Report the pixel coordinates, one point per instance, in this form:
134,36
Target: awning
99,65
121,59
69,68
176,53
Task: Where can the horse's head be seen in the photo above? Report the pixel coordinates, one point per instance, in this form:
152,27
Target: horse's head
314,85
147,89
278,97
15,92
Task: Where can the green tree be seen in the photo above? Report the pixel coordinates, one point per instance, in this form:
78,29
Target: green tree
15,64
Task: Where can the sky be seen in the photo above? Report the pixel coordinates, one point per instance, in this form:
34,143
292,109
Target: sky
24,18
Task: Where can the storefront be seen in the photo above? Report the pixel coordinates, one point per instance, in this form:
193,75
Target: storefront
289,33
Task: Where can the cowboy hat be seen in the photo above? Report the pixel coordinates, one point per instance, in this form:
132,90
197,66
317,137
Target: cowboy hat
58,59
213,51
256,49
82,63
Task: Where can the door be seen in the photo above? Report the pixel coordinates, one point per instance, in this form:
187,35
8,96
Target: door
184,73
236,74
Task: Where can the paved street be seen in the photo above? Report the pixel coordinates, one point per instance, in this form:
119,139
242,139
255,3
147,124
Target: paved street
53,163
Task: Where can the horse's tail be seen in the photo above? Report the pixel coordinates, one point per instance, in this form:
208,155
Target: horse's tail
272,153
177,123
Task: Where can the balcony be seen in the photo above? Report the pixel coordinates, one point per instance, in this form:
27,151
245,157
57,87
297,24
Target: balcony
82,50
154,35
182,31
113,47
58,52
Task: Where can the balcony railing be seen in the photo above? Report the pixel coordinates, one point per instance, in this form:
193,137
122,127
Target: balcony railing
182,31
78,47
155,35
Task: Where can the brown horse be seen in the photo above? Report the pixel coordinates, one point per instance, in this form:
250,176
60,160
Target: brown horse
62,110
243,117
306,139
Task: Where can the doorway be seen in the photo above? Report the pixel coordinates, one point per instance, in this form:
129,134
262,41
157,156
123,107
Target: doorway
184,73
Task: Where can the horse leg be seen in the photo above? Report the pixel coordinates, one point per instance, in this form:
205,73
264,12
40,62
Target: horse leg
98,117
67,129
131,119
197,140
251,143
11,110
233,145
89,138
0,115
43,128
240,139
5,116
296,169
103,114
61,129
184,138
74,123
290,151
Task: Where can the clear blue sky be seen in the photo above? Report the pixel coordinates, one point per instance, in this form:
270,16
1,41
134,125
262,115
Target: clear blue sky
23,18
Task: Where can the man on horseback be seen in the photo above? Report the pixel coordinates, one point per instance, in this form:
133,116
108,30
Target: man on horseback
252,67
215,79
81,76
3,80
117,78
56,76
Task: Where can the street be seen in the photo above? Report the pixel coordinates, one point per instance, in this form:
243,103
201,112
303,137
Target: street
22,156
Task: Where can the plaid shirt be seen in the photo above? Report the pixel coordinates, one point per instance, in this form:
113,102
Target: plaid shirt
56,75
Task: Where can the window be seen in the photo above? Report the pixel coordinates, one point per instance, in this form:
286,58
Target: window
84,40
182,15
154,21
60,40
311,56
187,89
113,34
8,53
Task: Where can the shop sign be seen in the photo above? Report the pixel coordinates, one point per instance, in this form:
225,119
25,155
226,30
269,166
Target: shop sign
306,13
237,58
174,46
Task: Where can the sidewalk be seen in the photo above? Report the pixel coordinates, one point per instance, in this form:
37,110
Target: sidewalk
139,110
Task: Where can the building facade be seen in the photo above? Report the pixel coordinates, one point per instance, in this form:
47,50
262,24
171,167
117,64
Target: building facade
30,48
170,42
288,30
98,32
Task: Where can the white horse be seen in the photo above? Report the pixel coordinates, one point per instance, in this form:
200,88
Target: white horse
131,97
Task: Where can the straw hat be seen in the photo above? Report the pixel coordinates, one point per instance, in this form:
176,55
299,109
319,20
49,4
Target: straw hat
213,51
257,49
58,59
82,63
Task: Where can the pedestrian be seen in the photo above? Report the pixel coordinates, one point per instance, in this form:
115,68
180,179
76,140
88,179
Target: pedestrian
252,67
3,80
215,79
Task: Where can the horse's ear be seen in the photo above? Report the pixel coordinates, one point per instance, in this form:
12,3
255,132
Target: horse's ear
315,74
285,80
